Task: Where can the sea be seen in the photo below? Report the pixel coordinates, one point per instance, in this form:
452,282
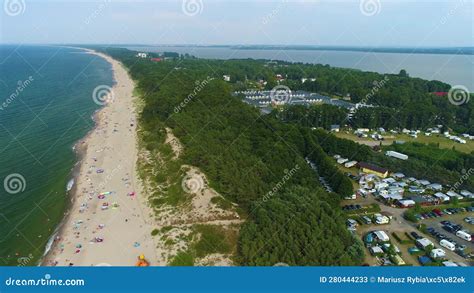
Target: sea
456,70
46,106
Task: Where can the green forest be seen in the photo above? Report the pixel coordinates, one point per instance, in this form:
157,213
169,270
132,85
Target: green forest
246,154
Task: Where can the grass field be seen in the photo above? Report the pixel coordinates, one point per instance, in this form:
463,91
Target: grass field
390,138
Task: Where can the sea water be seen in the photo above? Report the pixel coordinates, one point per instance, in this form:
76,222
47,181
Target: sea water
46,105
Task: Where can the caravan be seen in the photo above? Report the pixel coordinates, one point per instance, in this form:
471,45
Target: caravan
464,235
448,245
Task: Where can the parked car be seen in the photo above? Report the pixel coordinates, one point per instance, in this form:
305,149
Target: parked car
469,220
461,253
461,247
367,220
448,228
457,227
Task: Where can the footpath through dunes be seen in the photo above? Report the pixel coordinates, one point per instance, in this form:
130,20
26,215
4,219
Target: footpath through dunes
109,222
195,225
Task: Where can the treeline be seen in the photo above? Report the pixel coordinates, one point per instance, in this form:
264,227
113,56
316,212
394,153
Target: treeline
326,167
256,161
412,116
313,116
446,158
402,101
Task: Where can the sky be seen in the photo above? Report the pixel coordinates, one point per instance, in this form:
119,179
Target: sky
387,23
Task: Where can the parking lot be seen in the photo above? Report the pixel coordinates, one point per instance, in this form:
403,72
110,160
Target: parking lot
437,232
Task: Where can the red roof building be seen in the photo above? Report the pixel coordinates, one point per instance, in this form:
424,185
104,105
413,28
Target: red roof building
440,94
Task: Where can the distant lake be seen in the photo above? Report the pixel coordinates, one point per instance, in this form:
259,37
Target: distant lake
452,69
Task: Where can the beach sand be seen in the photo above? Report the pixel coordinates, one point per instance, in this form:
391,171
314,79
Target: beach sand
125,226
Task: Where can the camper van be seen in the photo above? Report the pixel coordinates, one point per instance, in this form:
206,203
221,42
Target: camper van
464,235
448,245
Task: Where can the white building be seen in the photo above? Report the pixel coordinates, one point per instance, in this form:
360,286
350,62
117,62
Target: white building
442,197
453,194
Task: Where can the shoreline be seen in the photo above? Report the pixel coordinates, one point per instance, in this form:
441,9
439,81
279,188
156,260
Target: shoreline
112,144
79,150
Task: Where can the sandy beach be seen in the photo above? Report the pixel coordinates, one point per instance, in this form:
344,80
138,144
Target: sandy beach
109,222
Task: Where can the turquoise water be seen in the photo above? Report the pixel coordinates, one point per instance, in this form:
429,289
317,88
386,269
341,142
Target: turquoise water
46,106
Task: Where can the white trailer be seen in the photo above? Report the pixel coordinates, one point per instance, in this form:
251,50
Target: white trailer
448,245
463,235
396,155
350,164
